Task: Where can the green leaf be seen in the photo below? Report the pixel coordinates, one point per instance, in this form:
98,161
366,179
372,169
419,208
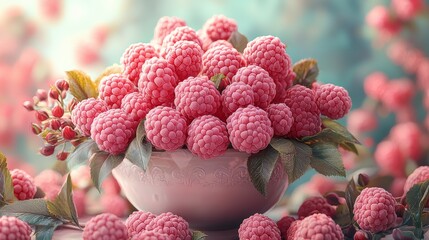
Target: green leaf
47,232
328,135
306,72
101,164
340,130
417,198
63,206
81,153
260,166
44,225
140,150
197,235
217,79
33,206
342,216
238,41
351,194
81,85
327,160
295,156
6,186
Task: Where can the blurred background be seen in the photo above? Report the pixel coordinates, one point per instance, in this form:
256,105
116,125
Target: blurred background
351,40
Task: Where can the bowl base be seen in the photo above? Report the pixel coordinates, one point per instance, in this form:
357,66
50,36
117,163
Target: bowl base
231,234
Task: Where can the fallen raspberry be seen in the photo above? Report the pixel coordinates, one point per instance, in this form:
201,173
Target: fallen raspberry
24,187
165,26
197,96
150,235
306,114
333,101
259,226
79,200
113,131
408,136
284,224
236,95
133,59
220,27
114,204
165,128
419,175
222,60
84,112
207,137
111,186
262,84
249,129
11,228
318,226
281,118
138,221
136,105
186,57
398,93
172,225
375,84
157,81
361,120
315,205
113,88
374,210
105,226
184,33
48,177
389,158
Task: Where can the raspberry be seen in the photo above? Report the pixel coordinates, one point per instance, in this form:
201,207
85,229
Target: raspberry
205,40
23,184
113,130
262,84
333,101
84,112
284,224
361,120
52,192
11,228
114,204
133,59
249,129
283,85
419,175
184,33
390,158
138,221
207,137
197,96
360,235
165,128
318,226
408,136
281,118
269,53
111,186
423,74
105,226
79,200
306,114
236,95
157,81
292,230
165,26
149,235
258,226
113,88
220,43
374,210
398,93
220,27
315,205
172,225
374,85
407,9
48,177
186,57
136,106
224,60
380,19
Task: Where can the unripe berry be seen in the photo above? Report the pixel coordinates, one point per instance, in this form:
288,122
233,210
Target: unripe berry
54,94
41,115
51,138
62,85
68,133
41,94
363,179
47,150
62,156
55,124
36,128
57,111
28,105
72,104
360,235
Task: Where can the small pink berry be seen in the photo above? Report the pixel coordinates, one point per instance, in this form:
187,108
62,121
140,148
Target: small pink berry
54,94
68,133
57,111
28,105
47,150
62,156
36,129
62,85
41,94
55,124
41,115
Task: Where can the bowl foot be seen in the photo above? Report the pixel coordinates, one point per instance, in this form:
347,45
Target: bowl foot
231,234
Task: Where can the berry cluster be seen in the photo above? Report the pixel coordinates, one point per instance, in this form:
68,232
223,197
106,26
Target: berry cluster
139,225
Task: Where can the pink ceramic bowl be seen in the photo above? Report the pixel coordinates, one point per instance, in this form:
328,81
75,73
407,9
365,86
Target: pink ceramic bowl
213,195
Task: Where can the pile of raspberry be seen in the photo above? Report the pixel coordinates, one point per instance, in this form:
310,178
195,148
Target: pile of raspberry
193,89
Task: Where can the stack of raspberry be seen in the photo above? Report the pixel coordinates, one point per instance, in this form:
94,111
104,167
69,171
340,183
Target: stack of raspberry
170,84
